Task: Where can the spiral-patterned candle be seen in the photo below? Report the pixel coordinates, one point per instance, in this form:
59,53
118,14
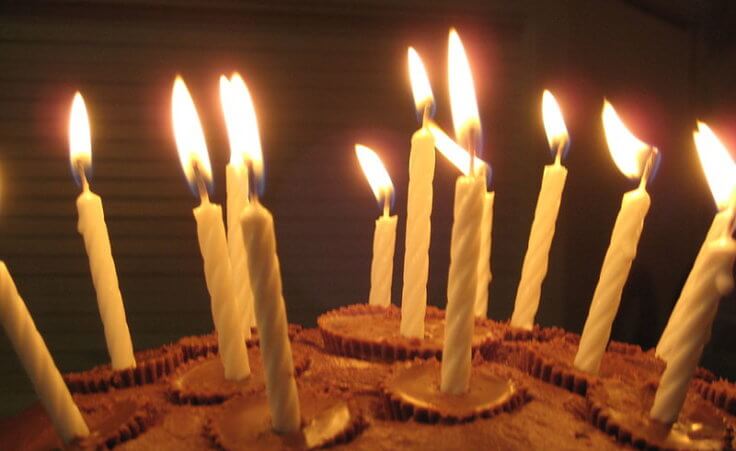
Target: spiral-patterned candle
382,265
92,227
237,198
714,281
265,275
484,257
462,284
719,224
615,271
218,275
536,259
36,360
418,231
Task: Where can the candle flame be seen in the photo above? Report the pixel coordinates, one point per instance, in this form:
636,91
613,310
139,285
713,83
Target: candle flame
717,164
189,136
456,155
80,147
420,87
554,124
628,152
463,104
376,173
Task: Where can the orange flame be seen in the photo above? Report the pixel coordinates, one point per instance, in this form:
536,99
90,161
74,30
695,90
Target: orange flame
628,152
465,117
420,87
717,164
554,123
189,136
376,173
80,147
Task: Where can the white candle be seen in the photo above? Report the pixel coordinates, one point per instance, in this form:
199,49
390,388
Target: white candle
36,360
536,258
462,284
635,159
382,265
615,271
213,246
673,327
242,133
92,227
714,281
218,275
418,208
265,274
384,236
236,179
484,256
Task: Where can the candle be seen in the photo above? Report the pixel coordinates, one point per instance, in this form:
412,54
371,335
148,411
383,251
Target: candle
714,281
484,256
37,362
720,173
418,207
92,227
635,159
465,239
235,99
536,259
265,277
384,235
210,235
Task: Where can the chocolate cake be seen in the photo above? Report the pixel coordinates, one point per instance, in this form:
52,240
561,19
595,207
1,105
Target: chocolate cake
372,403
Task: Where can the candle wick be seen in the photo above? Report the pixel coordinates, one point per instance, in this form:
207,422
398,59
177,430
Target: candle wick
560,149
426,114
648,166
82,176
201,186
386,206
252,184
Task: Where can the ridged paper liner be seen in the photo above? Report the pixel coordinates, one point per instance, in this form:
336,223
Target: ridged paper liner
427,407
107,432
151,366
398,348
721,393
204,345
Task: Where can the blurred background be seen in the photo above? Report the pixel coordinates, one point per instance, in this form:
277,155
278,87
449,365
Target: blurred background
325,75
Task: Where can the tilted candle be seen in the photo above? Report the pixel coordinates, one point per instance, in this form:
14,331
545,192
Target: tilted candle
384,235
265,277
418,208
92,227
536,258
635,159
227,316
37,362
465,245
715,281
236,106
720,172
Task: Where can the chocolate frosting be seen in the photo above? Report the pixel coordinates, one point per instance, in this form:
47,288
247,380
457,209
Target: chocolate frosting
245,424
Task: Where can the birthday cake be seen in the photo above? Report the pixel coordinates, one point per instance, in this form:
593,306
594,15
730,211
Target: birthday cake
372,403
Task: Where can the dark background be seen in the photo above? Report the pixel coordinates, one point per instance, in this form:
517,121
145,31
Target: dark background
327,74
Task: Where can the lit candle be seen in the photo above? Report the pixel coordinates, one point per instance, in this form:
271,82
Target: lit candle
36,360
211,235
236,103
461,159
714,281
635,159
384,235
720,173
465,240
265,278
418,207
536,259
92,227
